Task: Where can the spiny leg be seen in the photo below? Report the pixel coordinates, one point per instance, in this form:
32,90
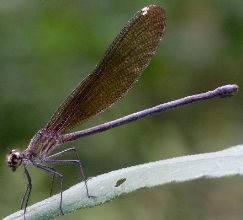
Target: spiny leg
54,173
77,161
27,191
52,184
26,196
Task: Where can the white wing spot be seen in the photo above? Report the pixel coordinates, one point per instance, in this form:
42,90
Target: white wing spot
145,10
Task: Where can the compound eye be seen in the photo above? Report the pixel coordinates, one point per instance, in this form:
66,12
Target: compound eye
14,159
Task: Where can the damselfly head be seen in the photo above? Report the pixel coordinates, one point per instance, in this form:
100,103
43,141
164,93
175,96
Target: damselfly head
14,159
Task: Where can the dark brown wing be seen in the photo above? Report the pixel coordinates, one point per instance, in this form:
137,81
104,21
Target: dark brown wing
121,66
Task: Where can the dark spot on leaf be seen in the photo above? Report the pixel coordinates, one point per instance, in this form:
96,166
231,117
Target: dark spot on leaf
120,181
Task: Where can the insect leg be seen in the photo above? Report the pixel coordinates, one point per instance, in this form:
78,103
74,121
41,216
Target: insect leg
77,161
26,196
54,173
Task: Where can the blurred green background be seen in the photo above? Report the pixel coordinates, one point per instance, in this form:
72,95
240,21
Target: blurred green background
47,47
